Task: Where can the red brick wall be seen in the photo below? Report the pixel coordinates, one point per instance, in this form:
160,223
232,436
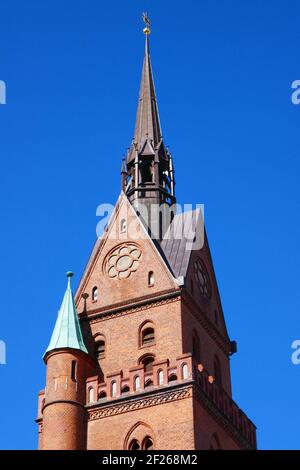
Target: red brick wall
206,427
122,336
169,424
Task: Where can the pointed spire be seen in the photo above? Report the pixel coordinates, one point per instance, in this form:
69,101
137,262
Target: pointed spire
67,331
147,125
123,175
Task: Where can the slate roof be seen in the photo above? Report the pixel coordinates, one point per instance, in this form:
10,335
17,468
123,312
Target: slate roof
177,243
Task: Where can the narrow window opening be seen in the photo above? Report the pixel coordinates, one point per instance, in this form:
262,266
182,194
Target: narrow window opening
147,336
73,370
151,279
91,395
185,371
100,349
95,294
137,383
160,377
113,389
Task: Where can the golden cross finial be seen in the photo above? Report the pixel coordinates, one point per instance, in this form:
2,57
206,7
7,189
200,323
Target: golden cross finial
147,22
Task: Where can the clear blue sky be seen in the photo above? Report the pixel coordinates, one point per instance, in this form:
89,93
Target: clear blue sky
223,73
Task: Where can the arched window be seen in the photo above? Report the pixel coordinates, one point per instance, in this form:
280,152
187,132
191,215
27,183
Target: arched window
123,225
95,294
99,350
151,278
125,389
147,335
196,347
147,362
160,377
217,371
185,371
113,389
91,395
134,445
137,383
147,443
102,395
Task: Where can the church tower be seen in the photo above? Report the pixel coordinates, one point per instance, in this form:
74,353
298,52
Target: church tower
141,358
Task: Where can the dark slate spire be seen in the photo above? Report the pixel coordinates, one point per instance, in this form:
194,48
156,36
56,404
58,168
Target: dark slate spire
150,171
147,127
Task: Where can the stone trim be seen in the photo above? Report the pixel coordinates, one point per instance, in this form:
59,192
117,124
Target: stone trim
156,301
128,404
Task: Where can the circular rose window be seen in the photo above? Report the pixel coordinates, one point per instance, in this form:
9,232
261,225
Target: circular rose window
202,278
123,261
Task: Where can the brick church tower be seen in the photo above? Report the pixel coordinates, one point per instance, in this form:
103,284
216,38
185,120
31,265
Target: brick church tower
140,358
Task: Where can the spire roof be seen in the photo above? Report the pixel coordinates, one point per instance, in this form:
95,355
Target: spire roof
67,331
147,125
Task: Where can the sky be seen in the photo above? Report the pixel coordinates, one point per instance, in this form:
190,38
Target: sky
223,72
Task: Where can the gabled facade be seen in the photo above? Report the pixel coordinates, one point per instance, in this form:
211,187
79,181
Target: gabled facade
146,364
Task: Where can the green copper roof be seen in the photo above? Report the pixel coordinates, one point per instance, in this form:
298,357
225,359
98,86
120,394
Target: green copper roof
67,331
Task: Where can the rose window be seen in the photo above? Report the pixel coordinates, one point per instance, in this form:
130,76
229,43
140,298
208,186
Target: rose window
123,261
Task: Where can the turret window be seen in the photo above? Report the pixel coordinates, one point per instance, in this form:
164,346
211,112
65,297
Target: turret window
74,370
